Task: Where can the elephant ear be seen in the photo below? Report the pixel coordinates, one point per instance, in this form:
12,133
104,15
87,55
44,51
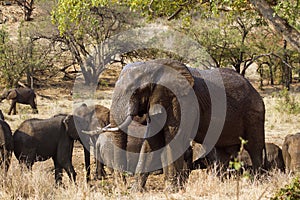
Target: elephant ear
74,125
70,128
178,81
12,94
179,67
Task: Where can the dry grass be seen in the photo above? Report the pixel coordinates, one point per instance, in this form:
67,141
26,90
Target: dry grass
39,183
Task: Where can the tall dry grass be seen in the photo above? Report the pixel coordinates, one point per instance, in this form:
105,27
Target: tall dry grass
39,183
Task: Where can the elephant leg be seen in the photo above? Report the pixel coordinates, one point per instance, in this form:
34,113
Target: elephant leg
13,106
87,160
255,145
70,171
7,158
174,176
141,180
34,107
58,172
100,172
174,172
2,160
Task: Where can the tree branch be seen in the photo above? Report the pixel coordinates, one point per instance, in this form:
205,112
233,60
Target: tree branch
279,24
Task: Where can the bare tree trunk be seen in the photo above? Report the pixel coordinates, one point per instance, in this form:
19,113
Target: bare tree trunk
286,69
271,74
279,24
261,76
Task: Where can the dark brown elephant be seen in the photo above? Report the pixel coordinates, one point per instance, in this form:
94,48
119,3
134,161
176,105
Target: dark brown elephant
20,95
291,153
6,143
226,108
41,139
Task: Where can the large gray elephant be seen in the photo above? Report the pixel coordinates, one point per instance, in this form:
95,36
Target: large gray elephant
291,153
41,139
20,95
6,143
224,99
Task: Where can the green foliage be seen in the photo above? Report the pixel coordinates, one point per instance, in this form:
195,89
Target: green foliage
237,164
287,103
19,57
289,10
289,192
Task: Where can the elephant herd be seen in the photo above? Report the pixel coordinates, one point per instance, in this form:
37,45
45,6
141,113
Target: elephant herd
161,110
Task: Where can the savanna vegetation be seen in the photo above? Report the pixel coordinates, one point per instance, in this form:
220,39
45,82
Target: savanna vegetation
44,44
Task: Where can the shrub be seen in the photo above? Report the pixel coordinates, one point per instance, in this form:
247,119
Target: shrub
287,103
289,192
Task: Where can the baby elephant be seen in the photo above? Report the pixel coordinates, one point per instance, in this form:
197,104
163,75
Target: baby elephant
6,143
291,153
20,95
41,139
274,158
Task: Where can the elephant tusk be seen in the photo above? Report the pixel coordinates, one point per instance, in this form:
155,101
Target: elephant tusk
111,129
95,132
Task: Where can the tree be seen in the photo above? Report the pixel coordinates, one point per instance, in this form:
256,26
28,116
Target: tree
27,7
281,15
85,34
22,57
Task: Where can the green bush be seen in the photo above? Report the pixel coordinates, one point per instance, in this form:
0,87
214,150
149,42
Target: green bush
287,103
289,192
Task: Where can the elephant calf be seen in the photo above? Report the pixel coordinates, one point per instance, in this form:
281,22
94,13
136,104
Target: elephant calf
105,151
274,159
291,153
6,142
96,116
20,95
41,139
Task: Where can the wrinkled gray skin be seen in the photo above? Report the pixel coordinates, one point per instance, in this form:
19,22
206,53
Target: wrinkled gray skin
6,143
291,153
274,159
20,95
96,116
245,114
41,139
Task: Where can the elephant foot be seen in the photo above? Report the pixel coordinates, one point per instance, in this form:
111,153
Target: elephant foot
138,188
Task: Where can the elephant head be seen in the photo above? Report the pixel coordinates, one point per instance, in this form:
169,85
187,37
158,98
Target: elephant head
74,126
291,153
5,94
